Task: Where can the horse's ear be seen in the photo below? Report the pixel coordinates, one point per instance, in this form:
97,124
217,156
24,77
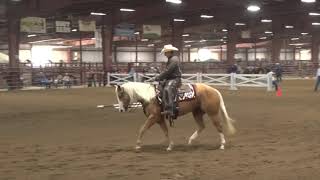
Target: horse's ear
119,88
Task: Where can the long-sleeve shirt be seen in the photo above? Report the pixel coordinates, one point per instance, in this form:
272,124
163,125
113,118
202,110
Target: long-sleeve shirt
172,70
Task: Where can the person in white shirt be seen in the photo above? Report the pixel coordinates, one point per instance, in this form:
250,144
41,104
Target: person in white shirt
67,80
317,78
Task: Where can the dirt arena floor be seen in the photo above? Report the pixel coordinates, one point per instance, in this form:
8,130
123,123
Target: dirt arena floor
61,135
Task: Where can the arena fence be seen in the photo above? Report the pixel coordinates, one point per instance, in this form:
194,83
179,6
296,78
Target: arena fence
93,74
233,81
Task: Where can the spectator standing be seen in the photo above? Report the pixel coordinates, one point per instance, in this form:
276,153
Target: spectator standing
278,71
234,68
91,79
274,82
100,78
317,79
131,73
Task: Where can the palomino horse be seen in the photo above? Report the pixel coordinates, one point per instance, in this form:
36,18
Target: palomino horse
207,101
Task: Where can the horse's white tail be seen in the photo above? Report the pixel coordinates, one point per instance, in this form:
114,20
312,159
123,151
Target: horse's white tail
229,122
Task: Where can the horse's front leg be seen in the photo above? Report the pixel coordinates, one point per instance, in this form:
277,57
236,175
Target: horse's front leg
150,122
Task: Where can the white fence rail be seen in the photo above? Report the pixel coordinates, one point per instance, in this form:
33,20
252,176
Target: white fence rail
230,80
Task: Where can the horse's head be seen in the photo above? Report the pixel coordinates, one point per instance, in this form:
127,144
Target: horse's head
123,98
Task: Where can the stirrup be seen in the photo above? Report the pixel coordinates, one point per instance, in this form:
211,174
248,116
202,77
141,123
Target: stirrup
165,113
171,121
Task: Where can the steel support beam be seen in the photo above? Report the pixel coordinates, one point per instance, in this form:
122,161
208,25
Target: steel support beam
107,38
13,78
176,37
231,45
276,41
315,47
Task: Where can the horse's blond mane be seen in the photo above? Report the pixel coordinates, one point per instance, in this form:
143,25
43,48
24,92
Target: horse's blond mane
139,91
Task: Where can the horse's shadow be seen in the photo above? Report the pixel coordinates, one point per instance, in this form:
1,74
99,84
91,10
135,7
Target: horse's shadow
160,148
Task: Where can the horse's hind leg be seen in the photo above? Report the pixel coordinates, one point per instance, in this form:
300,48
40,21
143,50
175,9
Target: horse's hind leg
165,130
198,116
216,122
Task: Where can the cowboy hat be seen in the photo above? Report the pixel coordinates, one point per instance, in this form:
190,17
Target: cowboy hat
168,48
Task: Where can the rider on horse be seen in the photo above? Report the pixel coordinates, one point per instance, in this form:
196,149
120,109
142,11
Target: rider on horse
171,78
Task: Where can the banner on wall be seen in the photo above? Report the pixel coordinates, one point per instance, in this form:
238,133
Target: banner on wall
33,25
63,26
98,38
151,31
125,30
245,34
87,25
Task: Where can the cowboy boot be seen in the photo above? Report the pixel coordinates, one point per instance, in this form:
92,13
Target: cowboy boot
165,103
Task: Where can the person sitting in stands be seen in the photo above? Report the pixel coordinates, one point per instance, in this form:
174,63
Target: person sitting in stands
58,81
67,81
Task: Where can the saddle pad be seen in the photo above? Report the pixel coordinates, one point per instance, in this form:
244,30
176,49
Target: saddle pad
185,92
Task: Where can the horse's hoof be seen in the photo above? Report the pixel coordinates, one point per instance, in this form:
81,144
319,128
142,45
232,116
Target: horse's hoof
170,147
138,148
221,147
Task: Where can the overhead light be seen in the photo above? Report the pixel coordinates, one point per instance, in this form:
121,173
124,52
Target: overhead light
144,40
289,27
179,20
316,24
266,20
174,1
294,39
127,10
74,30
32,35
188,45
93,38
185,35
206,16
225,30
150,45
224,37
304,34
253,8
224,42
137,33
203,40
314,14
298,47
268,32
188,41
97,14
297,44
240,24
263,38
308,1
